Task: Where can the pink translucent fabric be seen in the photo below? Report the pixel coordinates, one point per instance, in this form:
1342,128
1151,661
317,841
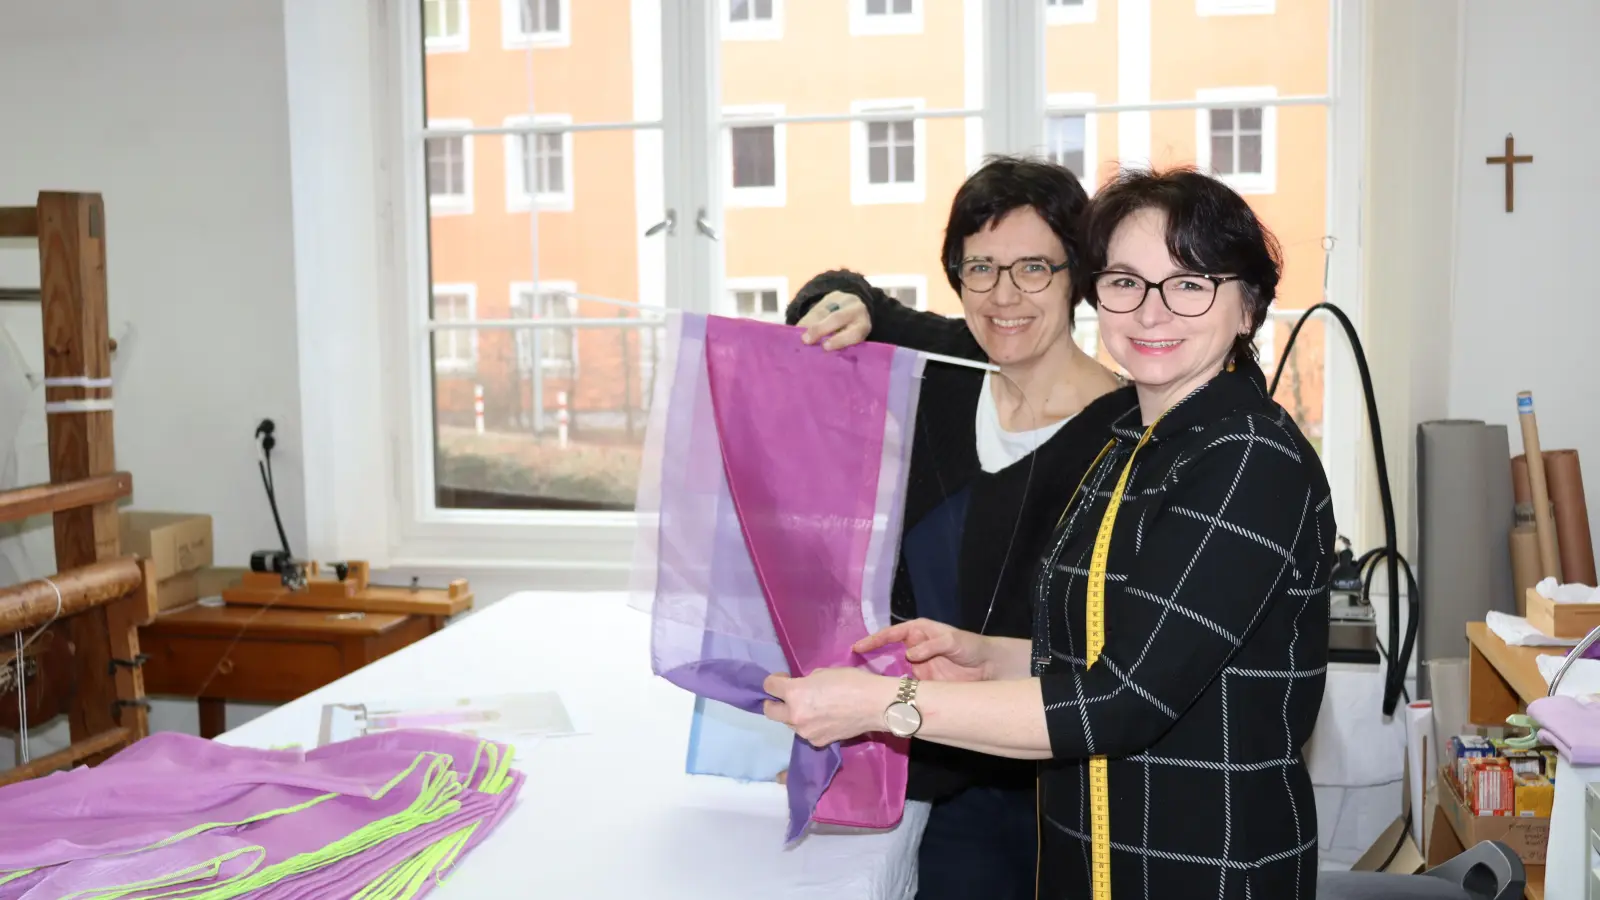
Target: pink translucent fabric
779,499
168,805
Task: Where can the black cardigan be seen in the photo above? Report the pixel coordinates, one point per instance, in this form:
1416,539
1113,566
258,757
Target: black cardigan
1009,514
1215,656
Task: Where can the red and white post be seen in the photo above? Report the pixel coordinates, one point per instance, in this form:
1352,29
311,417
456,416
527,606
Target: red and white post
477,406
561,417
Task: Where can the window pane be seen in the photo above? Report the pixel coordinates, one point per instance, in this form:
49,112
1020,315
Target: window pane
1188,52
1222,155
739,10
754,157
877,7
564,406
431,25
878,133
1250,119
1250,153
763,10
902,7
878,165
905,163
1221,120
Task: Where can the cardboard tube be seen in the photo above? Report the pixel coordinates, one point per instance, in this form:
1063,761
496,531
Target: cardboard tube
1574,546
1539,495
1524,564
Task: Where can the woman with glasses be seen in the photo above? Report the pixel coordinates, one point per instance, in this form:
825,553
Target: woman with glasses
993,459
1179,641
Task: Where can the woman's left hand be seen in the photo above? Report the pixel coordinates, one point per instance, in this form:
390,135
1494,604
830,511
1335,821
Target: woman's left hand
830,704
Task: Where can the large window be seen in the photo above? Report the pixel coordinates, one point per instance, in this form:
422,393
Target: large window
634,186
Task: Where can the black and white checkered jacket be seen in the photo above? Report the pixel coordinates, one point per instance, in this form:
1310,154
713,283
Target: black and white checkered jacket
1215,656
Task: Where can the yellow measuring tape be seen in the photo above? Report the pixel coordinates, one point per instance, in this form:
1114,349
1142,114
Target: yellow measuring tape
1094,616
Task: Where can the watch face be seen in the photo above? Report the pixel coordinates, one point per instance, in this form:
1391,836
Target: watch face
903,719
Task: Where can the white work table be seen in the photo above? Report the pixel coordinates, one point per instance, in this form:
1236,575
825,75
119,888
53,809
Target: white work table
609,813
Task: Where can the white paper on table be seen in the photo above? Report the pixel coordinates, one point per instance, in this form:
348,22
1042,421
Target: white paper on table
504,717
1550,589
1516,631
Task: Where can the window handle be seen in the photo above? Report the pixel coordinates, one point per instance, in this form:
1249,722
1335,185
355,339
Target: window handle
701,223
669,225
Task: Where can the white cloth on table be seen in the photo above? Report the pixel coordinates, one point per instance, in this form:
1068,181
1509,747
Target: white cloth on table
1517,631
609,813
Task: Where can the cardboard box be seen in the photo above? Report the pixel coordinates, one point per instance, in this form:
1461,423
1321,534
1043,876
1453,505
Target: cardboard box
174,543
1562,620
189,587
1525,835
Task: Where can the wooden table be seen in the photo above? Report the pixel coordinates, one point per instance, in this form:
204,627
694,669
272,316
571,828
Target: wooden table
264,655
1501,681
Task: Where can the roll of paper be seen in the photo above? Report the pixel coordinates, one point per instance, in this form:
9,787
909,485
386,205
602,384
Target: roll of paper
1574,546
1524,564
1464,557
1539,492
1523,514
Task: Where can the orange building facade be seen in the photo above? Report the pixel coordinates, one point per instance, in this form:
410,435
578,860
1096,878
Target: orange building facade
551,223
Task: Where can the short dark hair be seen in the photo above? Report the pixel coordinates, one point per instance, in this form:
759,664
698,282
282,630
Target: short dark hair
1210,229
1005,184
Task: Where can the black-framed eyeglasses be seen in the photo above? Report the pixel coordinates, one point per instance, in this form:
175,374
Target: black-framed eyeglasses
1183,295
1030,274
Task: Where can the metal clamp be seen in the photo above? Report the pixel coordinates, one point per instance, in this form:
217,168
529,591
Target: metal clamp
117,706
137,661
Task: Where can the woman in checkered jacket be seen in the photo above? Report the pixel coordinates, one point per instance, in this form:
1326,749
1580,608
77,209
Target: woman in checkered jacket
1215,590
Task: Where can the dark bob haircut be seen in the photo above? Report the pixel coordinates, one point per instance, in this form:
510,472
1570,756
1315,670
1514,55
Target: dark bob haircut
1005,184
1211,230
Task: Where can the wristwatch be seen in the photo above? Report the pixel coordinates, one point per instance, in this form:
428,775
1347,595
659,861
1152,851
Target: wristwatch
902,716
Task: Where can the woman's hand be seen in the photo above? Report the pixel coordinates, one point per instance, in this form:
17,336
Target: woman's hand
839,317
830,704
936,651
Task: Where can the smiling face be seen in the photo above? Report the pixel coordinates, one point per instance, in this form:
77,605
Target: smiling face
1167,355
1013,326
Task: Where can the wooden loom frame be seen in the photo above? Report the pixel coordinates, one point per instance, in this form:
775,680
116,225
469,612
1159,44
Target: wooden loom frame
104,596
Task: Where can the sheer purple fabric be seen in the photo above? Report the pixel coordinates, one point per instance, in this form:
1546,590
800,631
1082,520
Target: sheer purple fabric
780,494
175,810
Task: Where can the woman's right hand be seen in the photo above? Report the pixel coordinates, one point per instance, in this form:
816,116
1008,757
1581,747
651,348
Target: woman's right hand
839,317
936,651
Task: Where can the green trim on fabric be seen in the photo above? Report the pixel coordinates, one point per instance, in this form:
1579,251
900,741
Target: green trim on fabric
171,879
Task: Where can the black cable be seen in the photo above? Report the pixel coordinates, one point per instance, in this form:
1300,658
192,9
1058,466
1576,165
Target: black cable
1387,555
264,435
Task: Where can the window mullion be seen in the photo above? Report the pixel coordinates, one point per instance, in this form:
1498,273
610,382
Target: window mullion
693,163
1013,58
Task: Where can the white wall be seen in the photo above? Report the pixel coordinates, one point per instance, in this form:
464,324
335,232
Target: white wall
1526,311
177,113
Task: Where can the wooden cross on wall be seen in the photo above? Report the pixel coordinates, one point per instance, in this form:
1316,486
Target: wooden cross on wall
1508,160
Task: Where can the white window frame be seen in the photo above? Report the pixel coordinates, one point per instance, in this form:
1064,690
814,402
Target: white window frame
513,37
458,43
464,203
862,191
864,25
533,291
468,290
1264,182
752,114
1077,104
1082,14
1235,7
572,549
518,197
890,282
776,283
757,30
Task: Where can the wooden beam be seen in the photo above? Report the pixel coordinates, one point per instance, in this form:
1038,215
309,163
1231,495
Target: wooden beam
33,603
19,222
42,499
72,279
92,746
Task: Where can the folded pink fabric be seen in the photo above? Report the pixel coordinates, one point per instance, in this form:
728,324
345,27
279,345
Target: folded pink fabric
178,813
